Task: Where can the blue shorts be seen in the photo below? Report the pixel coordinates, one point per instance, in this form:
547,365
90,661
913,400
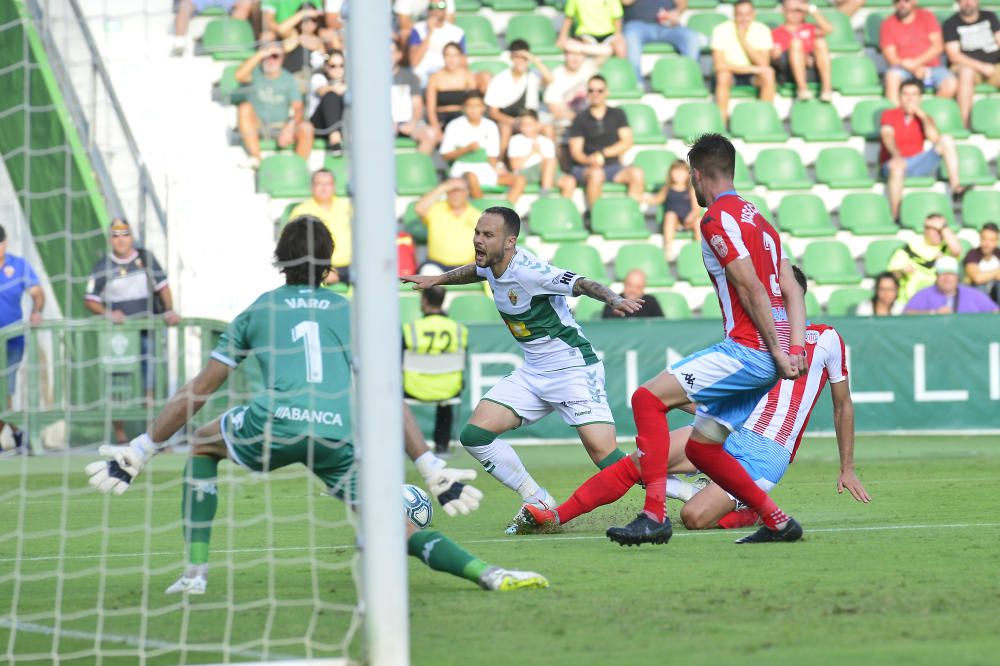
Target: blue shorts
764,459
937,76
202,5
579,171
15,353
726,380
921,164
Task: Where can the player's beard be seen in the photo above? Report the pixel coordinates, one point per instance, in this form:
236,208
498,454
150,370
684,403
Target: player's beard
698,194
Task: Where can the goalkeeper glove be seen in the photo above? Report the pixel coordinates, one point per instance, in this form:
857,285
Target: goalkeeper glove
123,465
447,485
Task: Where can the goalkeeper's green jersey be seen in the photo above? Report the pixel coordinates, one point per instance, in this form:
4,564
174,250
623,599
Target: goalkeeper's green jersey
300,337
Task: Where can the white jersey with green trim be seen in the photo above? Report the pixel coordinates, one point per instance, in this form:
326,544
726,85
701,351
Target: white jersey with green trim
531,298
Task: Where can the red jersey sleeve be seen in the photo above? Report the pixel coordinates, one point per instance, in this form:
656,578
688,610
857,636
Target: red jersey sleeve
722,233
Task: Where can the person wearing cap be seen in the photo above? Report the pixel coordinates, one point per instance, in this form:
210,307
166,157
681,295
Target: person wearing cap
913,264
17,277
451,224
129,282
947,296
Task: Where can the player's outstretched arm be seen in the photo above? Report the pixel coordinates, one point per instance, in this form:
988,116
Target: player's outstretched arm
753,297
843,424
619,305
462,275
446,484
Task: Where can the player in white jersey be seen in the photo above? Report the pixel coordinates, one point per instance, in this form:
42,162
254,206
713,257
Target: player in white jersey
561,372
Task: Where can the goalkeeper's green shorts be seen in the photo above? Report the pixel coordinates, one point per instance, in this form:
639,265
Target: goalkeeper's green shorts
255,449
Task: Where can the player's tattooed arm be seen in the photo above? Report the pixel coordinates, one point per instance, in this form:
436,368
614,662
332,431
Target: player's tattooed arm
622,306
462,275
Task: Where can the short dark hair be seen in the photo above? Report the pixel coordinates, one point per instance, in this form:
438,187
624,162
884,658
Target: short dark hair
433,296
800,277
473,94
742,2
304,250
598,77
455,44
511,220
991,226
528,113
518,45
317,172
887,275
714,155
912,82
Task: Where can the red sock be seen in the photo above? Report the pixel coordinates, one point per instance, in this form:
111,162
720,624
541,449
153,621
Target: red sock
603,488
736,519
653,439
722,468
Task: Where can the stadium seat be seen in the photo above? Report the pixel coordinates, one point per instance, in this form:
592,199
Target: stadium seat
986,117
761,205
742,178
480,40
415,174
489,202
781,169
843,301
805,216
691,266
229,90
646,129
284,176
865,117
582,259
340,169
471,308
647,258
917,206
674,305
620,76
511,5
873,25
468,5
618,218
588,309
817,121
556,220
412,224
678,77
829,262
771,18
704,23
842,168
228,39
946,116
813,308
980,207
409,308
692,119
493,67
972,167
842,39
710,308
867,214
878,253
654,165
756,122
537,30
855,75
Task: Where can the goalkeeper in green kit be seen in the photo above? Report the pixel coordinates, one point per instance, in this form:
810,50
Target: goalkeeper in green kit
300,336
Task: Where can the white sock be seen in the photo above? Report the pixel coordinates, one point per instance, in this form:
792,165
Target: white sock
499,459
679,489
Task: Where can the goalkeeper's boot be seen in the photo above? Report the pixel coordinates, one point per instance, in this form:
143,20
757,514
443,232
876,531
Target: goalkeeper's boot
520,519
792,531
642,530
508,580
536,517
191,581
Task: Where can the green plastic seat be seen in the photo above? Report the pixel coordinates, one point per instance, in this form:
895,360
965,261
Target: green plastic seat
228,39
842,168
867,214
830,262
805,216
678,78
618,218
692,119
781,169
340,169
537,30
842,39
468,5
284,176
511,5
588,309
646,129
413,225
582,259
764,4
489,202
761,205
817,121
658,48
654,165
620,75
415,174
229,90
843,301
480,40
878,254
813,308
980,207
647,258
409,308
698,4
674,305
472,308
916,206
556,220
865,117
946,116
741,176
710,308
855,75
972,167
872,28
986,117
771,18
493,67
756,122
704,23
691,266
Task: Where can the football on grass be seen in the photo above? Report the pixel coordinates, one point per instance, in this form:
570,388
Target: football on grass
417,506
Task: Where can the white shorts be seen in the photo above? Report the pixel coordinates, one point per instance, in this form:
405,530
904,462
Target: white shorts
484,172
576,393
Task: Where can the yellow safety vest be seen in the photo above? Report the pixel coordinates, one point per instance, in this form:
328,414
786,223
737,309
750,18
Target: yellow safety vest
433,335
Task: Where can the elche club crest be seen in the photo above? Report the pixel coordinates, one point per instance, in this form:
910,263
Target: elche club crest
719,245
812,337
512,297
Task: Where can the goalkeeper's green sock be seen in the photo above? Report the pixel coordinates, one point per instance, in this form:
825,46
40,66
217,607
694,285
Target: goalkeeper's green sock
442,554
199,501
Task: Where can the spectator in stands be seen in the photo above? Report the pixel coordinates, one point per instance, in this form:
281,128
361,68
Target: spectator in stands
800,50
408,105
566,96
910,40
598,138
741,55
982,264
17,278
903,131
327,90
428,39
913,264
129,282
447,89
276,12
336,215
657,21
598,27
972,44
634,287
451,225
516,89
679,210
472,145
238,9
533,155
408,12
305,49
885,300
947,296
274,108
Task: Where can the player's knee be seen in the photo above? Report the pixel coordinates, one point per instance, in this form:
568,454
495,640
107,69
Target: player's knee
644,400
694,519
473,435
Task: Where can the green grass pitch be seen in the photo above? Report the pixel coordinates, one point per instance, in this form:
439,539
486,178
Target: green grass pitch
913,578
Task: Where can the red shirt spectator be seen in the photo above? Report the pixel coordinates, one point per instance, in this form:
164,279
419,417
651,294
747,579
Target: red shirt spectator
909,133
806,33
910,39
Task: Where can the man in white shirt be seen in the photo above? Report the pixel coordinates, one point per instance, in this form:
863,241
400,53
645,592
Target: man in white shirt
428,39
410,11
516,89
567,94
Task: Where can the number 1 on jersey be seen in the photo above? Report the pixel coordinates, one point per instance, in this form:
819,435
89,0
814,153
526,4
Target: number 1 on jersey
308,332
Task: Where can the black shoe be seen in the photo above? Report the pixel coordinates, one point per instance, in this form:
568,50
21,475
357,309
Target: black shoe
642,530
792,531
